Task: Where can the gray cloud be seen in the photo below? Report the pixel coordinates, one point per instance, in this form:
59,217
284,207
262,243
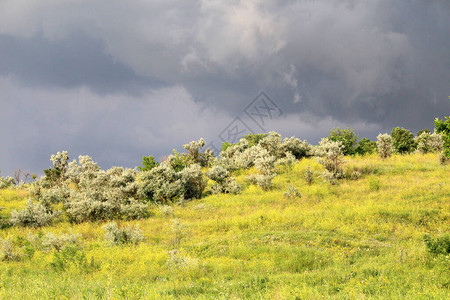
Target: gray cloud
368,64
113,129
72,62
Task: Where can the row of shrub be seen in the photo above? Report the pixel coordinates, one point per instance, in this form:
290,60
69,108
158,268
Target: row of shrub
81,191
403,141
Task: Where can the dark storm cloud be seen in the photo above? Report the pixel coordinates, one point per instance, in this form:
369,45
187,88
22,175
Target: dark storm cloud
371,65
72,62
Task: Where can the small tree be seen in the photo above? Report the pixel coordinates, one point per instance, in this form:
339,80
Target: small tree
443,127
193,149
178,161
422,131
384,145
194,156
148,163
60,164
403,140
347,137
254,139
309,175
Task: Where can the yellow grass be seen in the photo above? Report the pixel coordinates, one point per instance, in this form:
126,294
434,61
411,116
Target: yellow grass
360,239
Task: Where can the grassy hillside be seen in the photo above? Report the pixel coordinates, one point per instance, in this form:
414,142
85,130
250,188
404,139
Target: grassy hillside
360,239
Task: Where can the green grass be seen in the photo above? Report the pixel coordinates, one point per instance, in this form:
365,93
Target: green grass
360,239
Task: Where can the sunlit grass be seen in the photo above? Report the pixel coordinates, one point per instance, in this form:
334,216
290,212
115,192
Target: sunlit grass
360,239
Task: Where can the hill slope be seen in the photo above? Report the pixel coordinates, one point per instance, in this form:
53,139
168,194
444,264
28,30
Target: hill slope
360,239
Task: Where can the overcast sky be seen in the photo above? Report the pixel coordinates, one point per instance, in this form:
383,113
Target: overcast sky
117,80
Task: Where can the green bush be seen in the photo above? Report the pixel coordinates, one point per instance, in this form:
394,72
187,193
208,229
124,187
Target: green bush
426,130
403,140
347,137
148,163
253,139
73,257
443,127
178,161
438,245
366,146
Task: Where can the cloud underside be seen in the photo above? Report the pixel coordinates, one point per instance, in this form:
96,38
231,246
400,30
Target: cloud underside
100,76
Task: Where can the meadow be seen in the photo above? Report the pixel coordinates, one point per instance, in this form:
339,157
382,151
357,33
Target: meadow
359,239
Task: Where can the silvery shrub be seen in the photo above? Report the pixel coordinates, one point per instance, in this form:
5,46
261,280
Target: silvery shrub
330,154
429,142
115,235
384,145
224,182
297,147
34,215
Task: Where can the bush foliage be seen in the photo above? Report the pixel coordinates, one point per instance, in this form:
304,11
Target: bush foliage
125,235
347,137
82,191
384,145
403,140
443,127
88,193
365,146
330,155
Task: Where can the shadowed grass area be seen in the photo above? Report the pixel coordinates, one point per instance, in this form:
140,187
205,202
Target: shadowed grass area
360,239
